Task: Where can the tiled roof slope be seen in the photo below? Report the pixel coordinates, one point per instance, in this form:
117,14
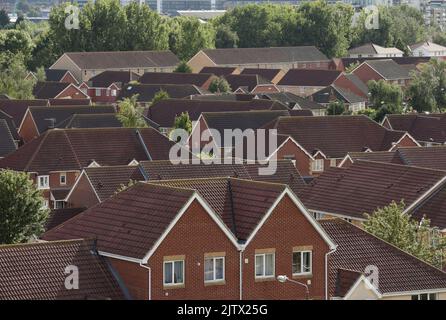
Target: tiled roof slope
286,172
335,136
309,77
108,77
49,89
389,69
365,186
107,180
100,120
62,115
146,92
123,59
11,124
249,81
74,149
218,71
198,79
165,111
241,204
428,128
268,74
59,216
242,56
398,271
54,74
129,223
37,272
7,144
17,108
425,157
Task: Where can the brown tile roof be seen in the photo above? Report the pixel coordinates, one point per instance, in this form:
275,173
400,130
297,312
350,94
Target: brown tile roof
108,77
241,56
219,71
309,77
100,120
107,180
74,149
17,108
123,59
146,92
425,157
268,74
398,271
37,272
345,279
129,223
427,128
389,69
335,136
286,172
365,186
248,81
7,143
197,79
241,204
291,100
11,124
54,74
59,216
49,89
69,102
400,60
58,117
224,96
165,111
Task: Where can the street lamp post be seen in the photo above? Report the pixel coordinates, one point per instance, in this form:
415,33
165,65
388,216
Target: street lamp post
284,278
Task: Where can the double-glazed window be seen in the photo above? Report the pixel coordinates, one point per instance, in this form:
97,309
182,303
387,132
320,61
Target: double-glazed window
43,182
174,272
425,296
302,262
317,165
214,269
265,265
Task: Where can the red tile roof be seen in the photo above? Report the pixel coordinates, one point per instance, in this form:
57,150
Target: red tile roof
218,71
364,186
309,77
198,79
37,272
335,136
398,271
17,108
74,149
268,74
59,216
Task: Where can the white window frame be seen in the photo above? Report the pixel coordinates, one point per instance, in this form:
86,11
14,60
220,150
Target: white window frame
173,283
428,296
214,269
113,92
97,92
46,185
302,252
263,255
333,163
317,165
63,205
64,175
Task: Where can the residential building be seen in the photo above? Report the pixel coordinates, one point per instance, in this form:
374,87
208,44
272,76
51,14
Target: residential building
220,71
427,49
84,65
201,80
305,57
58,90
371,50
272,75
332,93
56,75
387,70
245,83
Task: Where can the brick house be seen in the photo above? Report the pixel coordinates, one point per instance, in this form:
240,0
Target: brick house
201,80
272,75
365,186
58,75
175,257
84,65
56,158
332,93
303,57
58,90
371,50
220,71
387,70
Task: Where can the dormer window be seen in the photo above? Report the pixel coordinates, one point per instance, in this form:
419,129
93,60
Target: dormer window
43,182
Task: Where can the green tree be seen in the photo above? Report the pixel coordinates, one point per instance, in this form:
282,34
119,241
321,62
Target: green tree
392,225
190,36
160,95
40,74
12,77
219,85
336,108
183,122
225,37
16,42
183,67
4,18
427,90
386,94
22,208
369,112
130,114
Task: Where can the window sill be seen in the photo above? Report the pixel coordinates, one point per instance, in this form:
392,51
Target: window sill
265,279
302,276
214,283
173,286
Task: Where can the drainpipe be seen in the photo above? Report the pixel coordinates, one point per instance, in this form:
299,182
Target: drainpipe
150,278
326,270
241,274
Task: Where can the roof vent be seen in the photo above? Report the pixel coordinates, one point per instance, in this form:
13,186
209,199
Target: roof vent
51,123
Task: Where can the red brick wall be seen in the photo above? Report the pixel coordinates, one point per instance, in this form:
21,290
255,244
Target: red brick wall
285,229
72,93
83,195
345,83
68,78
303,162
28,130
366,73
135,278
406,142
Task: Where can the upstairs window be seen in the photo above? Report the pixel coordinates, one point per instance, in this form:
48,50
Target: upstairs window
265,265
302,261
174,272
214,269
98,92
317,165
425,296
63,178
43,182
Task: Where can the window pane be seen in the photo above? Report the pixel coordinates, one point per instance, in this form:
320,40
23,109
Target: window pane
178,272
415,297
297,266
208,269
259,265
168,272
269,264
423,296
219,269
306,262
433,296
